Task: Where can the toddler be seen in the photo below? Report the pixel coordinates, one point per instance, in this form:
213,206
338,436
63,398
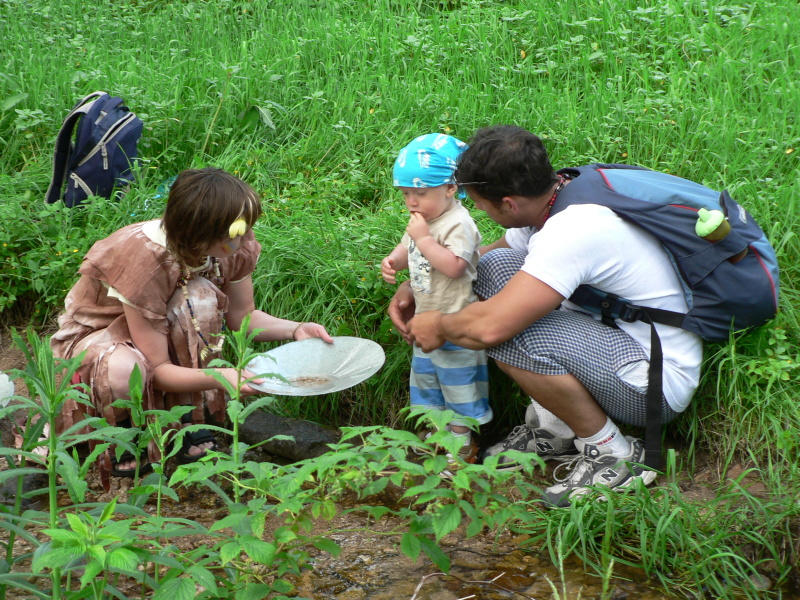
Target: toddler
440,250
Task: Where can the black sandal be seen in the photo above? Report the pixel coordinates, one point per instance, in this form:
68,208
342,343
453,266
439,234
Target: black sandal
144,467
195,438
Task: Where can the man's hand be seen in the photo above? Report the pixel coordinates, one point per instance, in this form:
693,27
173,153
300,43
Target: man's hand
426,331
401,310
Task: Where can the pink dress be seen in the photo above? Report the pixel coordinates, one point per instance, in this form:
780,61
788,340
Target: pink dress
142,271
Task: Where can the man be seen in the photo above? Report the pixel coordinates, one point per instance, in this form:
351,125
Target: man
582,375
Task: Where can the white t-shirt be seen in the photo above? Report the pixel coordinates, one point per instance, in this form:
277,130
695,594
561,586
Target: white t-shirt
590,244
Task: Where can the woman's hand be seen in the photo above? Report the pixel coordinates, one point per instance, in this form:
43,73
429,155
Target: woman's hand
401,310
308,329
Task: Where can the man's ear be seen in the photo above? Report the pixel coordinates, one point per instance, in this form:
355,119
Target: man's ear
509,204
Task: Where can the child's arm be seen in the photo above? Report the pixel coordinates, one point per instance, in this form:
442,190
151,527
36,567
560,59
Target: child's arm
241,304
441,259
397,260
167,376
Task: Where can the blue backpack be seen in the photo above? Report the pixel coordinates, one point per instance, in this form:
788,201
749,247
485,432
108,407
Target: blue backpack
729,284
100,158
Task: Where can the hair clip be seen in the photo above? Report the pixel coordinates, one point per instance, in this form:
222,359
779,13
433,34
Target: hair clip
237,228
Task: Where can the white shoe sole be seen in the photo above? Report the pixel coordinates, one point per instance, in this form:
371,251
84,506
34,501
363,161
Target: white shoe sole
646,476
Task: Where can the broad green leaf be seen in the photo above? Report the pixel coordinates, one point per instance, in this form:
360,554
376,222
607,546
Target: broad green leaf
90,571
282,586
435,553
446,520
431,482
229,551
64,537
116,530
203,577
410,546
89,460
54,558
374,487
98,553
328,545
181,588
77,525
233,521
461,480
123,559
284,535
258,521
253,591
476,522
260,551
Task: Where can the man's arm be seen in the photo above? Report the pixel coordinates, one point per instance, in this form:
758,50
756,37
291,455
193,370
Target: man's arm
521,302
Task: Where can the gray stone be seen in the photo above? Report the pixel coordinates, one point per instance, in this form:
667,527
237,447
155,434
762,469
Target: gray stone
30,482
310,439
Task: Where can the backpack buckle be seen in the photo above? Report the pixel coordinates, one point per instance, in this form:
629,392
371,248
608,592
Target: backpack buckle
614,307
629,313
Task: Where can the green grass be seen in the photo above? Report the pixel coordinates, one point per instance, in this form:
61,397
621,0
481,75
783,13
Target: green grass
310,102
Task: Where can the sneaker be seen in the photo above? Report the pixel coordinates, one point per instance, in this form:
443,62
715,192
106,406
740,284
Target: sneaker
468,451
592,468
527,439
423,437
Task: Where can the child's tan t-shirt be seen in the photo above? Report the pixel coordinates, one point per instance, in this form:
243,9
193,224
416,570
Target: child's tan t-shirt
433,290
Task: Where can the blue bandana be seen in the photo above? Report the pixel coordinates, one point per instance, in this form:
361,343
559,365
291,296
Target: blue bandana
428,161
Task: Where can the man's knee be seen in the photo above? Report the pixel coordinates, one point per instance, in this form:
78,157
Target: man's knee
495,268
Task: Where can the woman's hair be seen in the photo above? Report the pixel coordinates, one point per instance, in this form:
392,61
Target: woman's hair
505,160
201,206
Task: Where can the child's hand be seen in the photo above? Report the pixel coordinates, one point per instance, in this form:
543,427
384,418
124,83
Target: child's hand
417,227
388,272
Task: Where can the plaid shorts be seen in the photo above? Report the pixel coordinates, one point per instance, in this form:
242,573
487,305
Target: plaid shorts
569,342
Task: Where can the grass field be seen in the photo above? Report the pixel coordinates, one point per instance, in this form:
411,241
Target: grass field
310,101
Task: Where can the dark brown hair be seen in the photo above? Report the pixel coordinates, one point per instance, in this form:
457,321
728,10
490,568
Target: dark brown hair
505,160
201,206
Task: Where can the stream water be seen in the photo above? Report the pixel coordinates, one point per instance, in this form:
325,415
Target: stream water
372,567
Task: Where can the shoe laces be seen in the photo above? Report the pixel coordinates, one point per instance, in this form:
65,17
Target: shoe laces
574,469
516,433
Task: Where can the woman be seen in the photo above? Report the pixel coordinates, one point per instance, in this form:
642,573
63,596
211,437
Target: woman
158,294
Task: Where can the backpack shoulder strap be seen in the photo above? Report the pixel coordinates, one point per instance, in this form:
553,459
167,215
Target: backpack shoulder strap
63,141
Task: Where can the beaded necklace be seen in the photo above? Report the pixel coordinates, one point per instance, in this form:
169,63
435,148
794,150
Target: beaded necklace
186,275
559,187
